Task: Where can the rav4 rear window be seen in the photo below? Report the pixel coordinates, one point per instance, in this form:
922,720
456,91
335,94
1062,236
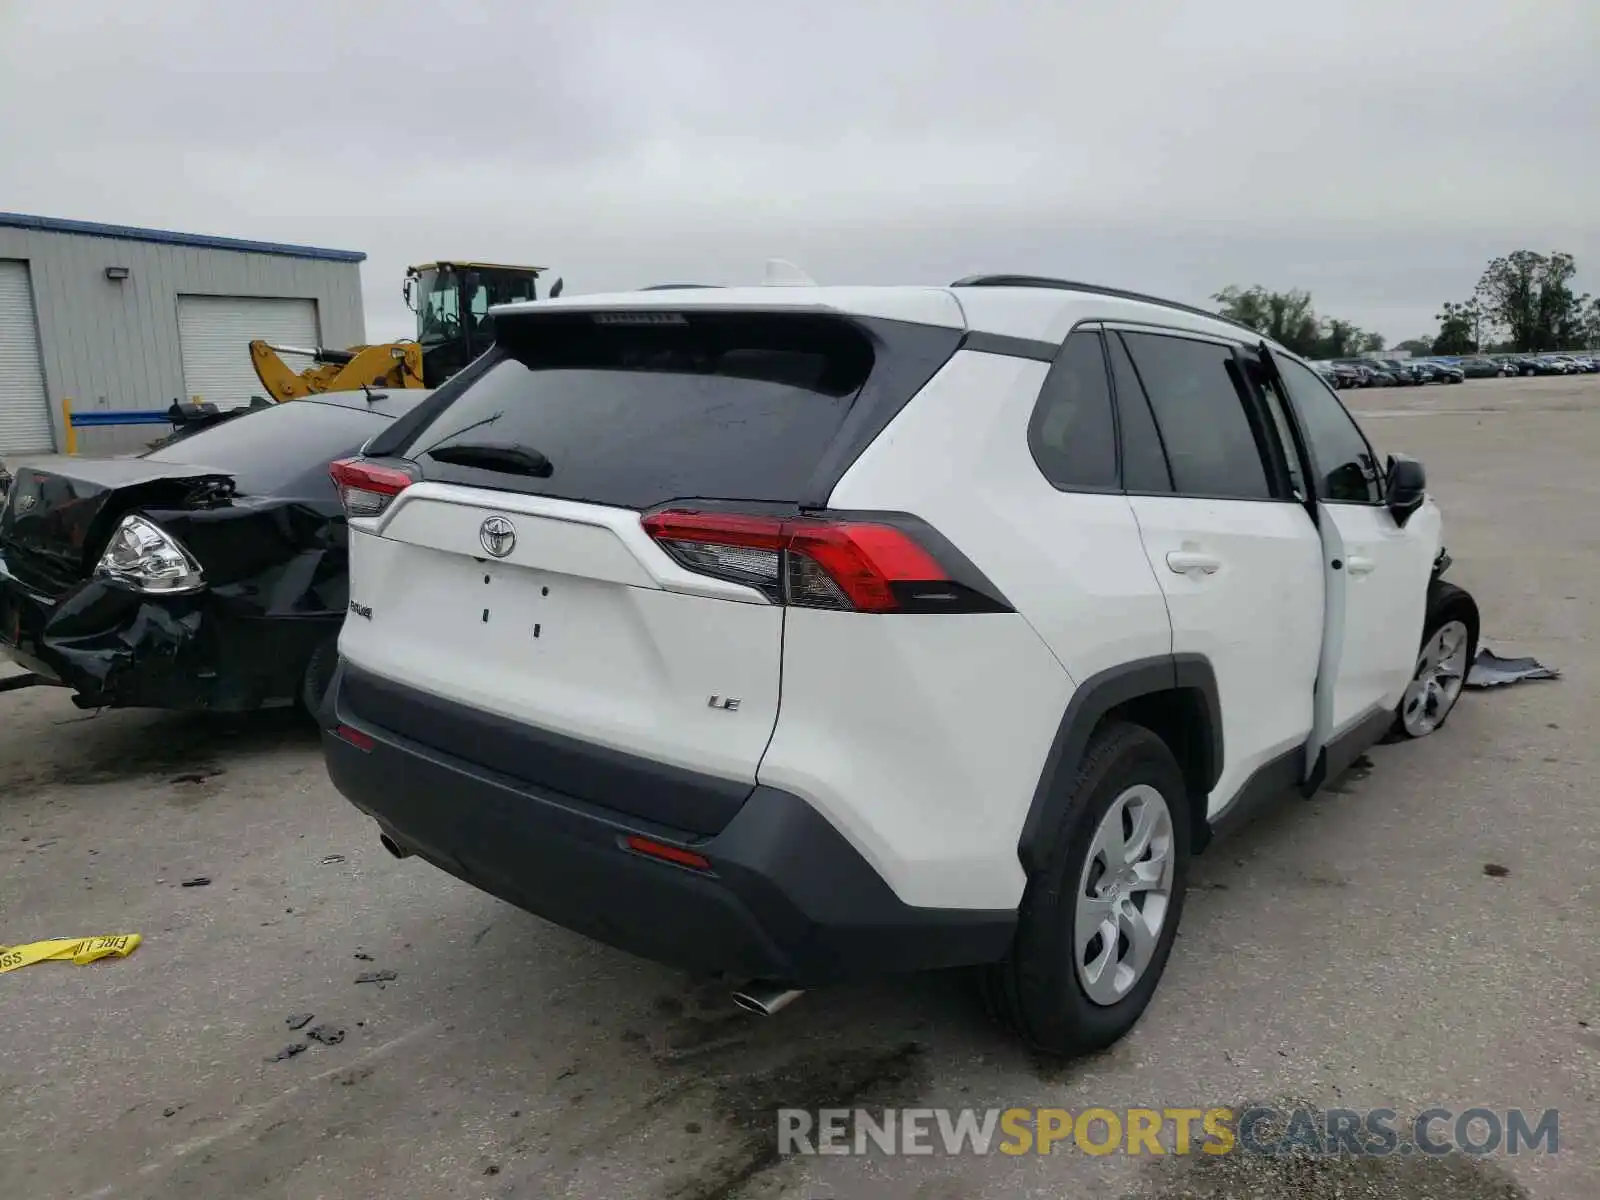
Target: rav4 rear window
633,409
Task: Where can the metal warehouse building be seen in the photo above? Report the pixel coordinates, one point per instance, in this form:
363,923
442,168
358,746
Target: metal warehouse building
111,317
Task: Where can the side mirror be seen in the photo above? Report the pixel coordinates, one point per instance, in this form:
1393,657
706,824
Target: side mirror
1405,487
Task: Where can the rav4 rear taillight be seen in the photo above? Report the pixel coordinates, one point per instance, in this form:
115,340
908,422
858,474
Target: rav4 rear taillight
821,562
368,488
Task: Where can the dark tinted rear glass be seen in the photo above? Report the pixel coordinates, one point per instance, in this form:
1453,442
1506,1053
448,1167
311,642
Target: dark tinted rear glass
282,450
635,409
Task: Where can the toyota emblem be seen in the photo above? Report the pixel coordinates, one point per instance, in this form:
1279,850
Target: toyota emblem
498,536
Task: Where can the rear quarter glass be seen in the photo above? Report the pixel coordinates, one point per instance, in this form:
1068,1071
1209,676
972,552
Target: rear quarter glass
637,410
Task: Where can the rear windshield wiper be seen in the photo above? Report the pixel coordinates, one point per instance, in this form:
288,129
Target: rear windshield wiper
495,456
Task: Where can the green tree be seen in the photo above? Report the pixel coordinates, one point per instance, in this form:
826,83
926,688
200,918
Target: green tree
1339,339
1416,346
1285,317
1457,328
1578,328
1372,343
1528,293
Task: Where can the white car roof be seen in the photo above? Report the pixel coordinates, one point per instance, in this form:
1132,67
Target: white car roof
1045,313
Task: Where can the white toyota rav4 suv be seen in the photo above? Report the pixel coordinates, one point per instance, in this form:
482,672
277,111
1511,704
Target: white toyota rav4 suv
807,633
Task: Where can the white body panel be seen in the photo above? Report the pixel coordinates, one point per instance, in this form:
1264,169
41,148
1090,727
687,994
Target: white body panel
1251,601
1377,601
1070,562
924,306
920,738
575,631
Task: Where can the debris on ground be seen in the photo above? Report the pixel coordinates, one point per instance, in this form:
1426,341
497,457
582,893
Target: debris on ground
80,951
377,977
197,881
1490,670
289,1052
299,1021
330,859
1495,870
328,1035
363,956
198,776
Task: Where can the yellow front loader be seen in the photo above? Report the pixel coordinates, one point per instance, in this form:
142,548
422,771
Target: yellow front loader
391,365
452,302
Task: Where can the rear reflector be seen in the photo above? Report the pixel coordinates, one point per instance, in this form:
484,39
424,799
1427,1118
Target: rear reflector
367,488
672,854
807,562
354,737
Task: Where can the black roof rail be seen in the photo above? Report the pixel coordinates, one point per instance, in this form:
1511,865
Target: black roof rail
664,287
1070,285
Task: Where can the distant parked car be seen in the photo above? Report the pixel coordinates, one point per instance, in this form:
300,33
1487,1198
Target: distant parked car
1480,368
1344,375
1329,374
1404,370
1590,365
1367,374
1572,363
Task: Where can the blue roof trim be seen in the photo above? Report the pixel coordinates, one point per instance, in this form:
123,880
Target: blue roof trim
130,233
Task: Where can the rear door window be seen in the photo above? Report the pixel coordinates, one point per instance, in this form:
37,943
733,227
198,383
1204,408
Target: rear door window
1210,442
633,409
1144,461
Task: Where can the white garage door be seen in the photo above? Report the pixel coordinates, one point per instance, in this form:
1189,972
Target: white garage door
24,411
216,332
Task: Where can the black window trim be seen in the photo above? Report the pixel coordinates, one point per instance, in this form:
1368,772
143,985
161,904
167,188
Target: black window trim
1303,439
1257,416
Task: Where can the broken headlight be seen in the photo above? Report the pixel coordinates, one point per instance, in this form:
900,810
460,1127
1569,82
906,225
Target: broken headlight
148,559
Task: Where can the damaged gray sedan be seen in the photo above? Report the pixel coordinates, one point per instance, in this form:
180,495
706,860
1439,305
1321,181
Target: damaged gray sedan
209,573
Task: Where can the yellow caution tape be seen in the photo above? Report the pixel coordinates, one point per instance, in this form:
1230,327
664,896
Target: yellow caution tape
75,950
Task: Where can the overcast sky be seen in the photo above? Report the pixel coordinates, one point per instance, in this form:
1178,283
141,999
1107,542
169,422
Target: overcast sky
1376,152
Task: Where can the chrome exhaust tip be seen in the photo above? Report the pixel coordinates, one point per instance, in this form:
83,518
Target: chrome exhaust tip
764,999
394,847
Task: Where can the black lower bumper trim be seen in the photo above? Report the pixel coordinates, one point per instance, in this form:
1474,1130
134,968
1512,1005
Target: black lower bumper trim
787,897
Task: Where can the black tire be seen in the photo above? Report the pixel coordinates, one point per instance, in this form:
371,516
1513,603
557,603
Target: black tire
1035,989
1446,603
318,675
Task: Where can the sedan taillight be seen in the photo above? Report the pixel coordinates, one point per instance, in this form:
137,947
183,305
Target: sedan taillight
367,489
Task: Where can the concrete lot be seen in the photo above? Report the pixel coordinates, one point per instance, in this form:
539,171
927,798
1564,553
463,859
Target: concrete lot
1349,952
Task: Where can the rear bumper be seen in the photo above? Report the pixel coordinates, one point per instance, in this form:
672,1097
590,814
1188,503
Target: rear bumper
786,898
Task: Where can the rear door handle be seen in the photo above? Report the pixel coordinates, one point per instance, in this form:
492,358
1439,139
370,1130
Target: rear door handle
1360,566
1184,561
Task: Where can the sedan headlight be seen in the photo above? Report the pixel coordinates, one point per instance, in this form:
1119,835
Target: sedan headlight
146,558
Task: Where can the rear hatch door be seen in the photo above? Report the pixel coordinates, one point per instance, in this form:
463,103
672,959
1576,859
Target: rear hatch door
527,591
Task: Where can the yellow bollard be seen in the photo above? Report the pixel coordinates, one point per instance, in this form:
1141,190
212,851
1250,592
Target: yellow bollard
66,424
